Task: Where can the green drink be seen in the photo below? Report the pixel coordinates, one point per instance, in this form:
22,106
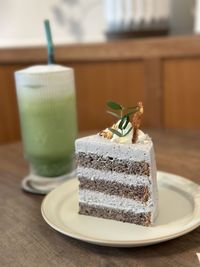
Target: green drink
46,99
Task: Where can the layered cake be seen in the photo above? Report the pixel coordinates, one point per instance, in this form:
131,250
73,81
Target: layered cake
117,172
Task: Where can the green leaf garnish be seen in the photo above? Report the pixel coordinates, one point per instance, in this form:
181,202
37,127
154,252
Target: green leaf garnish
115,132
123,122
113,114
128,131
114,105
124,118
126,122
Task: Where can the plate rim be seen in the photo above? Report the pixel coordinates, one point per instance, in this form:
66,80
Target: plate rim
128,243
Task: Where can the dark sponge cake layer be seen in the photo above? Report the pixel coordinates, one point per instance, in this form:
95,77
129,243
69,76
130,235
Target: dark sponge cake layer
113,164
139,192
143,219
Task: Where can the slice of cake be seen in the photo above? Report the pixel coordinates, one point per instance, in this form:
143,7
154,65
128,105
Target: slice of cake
117,177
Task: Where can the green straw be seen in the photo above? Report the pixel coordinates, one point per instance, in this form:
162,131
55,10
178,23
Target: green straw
50,47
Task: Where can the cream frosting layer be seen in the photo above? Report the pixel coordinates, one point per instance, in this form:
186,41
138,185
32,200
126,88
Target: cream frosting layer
104,147
123,178
114,202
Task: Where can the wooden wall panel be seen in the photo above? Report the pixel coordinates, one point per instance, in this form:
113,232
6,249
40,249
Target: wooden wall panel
99,82
153,94
162,72
9,120
95,83
181,81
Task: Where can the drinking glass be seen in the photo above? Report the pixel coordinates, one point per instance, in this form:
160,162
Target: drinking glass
47,108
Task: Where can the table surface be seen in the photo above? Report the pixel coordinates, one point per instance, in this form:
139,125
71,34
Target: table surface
26,240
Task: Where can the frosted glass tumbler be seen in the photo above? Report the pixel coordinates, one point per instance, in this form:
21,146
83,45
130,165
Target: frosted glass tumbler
46,101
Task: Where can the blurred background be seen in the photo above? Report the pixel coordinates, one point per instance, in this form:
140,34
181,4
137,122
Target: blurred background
93,20
121,50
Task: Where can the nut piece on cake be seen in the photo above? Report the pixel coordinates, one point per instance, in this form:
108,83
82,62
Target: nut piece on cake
117,177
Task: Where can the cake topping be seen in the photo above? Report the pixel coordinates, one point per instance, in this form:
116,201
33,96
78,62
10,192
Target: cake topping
126,130
107,133
136,121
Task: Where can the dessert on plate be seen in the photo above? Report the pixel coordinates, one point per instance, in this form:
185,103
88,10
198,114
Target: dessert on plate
117,171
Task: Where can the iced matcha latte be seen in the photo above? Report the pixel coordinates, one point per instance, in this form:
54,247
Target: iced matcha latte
46,99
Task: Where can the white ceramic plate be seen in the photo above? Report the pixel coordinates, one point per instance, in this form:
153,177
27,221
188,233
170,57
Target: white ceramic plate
179,213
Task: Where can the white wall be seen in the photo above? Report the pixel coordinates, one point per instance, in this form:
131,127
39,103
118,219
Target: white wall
21,21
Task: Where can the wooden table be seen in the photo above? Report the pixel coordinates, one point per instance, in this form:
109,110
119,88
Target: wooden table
27,241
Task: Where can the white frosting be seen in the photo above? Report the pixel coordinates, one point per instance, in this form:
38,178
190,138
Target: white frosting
142,137
127,139
122,178
104,147
154,186
114,202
